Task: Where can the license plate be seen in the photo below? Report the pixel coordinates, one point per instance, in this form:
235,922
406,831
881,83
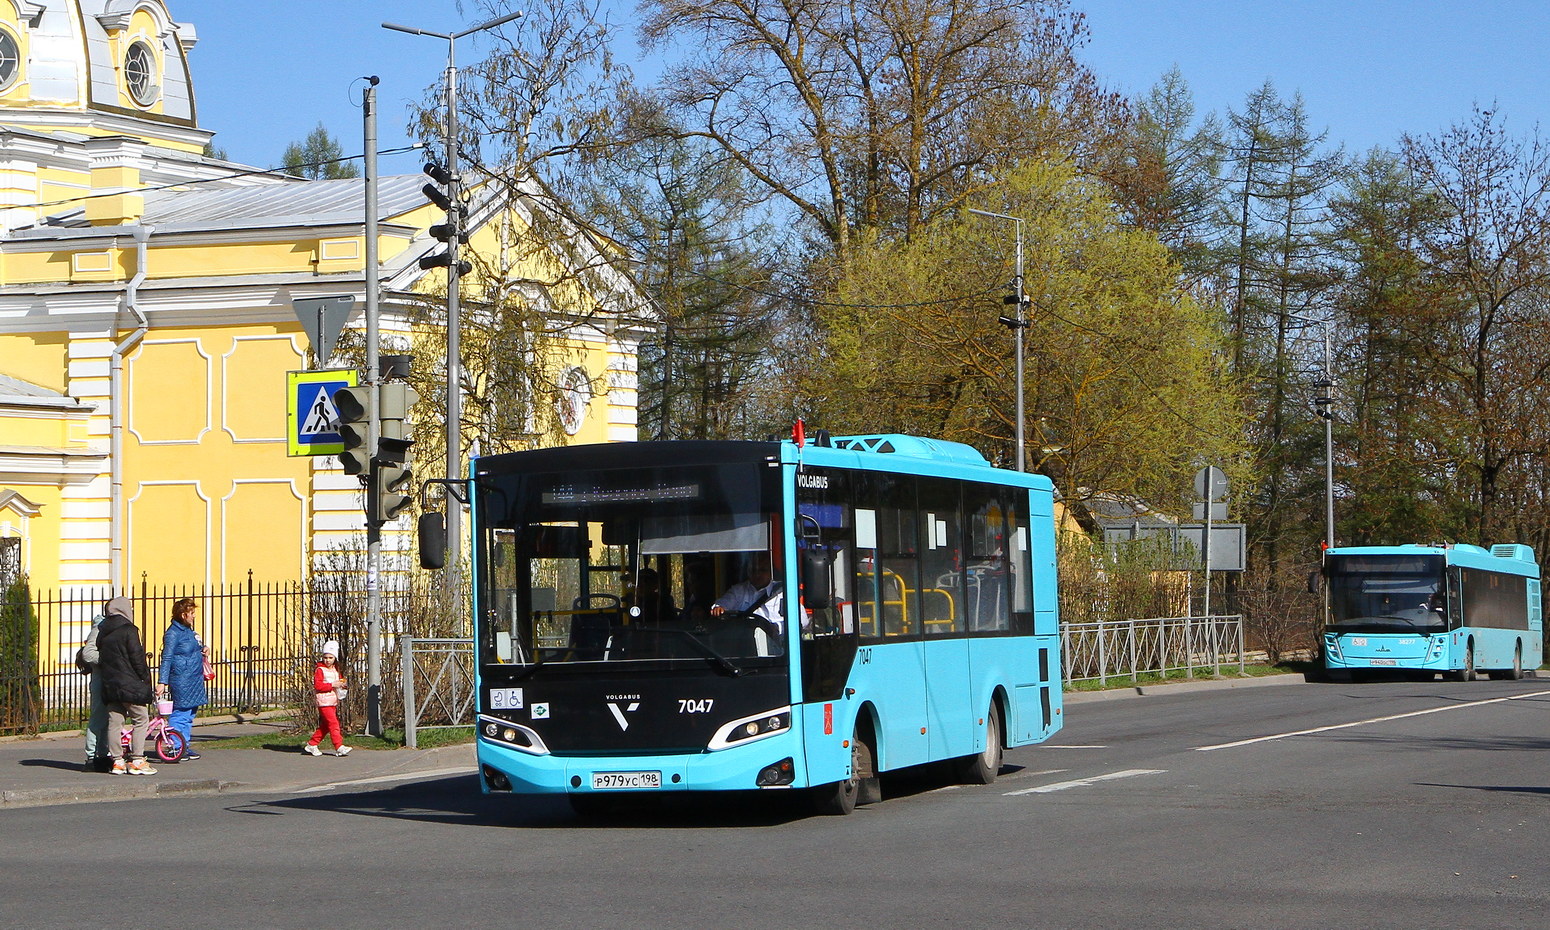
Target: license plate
626,779
1385,662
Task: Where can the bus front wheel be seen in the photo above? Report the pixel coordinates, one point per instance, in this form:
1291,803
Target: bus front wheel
1467,673
841,797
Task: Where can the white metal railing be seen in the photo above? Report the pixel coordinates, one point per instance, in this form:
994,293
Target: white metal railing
1107,649
438,680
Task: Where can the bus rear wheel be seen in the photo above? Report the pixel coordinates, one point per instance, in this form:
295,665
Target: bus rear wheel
1515,673
983,767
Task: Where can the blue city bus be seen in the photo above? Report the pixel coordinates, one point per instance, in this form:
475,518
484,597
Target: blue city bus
1455,609
896,606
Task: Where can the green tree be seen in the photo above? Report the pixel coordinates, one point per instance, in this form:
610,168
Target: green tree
1175,184
1490,256
1125,385
319,157
20,692
706,263
1401,478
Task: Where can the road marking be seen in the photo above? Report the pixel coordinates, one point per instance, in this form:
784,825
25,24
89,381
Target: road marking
377,780
1084,782
1033,774
1048,746
1360,723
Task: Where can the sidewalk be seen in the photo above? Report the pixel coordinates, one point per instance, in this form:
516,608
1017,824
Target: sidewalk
47,770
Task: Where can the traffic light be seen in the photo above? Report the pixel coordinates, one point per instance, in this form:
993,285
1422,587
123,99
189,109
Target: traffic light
451,232
354,404
392,479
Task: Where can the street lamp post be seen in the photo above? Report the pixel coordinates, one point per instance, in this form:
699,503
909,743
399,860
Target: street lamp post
1017,325
1324,403
454,362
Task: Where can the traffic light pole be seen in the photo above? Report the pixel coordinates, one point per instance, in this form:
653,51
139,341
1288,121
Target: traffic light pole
374,432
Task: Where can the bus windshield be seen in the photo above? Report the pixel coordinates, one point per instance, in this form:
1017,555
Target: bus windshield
1375,594
636,565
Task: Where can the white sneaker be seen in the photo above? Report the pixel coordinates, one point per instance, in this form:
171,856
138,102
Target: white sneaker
342,751
141,767
311,750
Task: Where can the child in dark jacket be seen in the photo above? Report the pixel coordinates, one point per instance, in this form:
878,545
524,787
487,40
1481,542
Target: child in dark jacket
329,685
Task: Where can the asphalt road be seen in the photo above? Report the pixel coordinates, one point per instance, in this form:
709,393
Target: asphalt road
1375,805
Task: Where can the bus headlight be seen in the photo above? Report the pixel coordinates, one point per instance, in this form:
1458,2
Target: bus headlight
749,729
512,735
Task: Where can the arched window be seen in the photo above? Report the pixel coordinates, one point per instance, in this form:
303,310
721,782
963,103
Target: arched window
10,59
140,73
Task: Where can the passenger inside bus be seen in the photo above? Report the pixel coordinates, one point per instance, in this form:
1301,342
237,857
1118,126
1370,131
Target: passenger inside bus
646,603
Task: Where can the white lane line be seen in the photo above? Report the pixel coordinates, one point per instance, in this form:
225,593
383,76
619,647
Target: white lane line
1361,723
376,780
1083,782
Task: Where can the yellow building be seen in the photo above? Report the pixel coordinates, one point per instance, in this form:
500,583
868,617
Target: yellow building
147,319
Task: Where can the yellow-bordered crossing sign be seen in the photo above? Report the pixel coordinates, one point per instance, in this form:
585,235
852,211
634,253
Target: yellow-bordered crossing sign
311,419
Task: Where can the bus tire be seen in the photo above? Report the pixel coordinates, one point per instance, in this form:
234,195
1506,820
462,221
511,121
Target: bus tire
1516,672
983,767
1467,673
840,798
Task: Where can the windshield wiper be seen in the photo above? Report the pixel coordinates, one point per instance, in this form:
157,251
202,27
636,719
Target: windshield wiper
719,660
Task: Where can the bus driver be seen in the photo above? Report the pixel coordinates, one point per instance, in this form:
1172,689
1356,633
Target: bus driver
763,598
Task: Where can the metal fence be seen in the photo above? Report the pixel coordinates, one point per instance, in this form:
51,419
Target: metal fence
439,689
1163,646
262,640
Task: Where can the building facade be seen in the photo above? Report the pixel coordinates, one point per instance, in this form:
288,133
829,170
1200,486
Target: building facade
147,317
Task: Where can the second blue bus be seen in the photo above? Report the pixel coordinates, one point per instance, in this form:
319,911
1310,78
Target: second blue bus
1458,610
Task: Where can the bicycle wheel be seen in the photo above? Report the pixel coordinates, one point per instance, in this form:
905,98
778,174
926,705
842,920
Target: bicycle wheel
170,745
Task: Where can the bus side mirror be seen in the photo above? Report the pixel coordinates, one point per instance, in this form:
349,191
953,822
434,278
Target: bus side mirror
433,540
1313,582
817,588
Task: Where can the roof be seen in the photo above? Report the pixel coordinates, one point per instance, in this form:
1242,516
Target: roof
292,203
311,202
16,387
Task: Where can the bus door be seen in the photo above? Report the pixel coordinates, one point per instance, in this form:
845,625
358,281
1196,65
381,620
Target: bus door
890,669
945,605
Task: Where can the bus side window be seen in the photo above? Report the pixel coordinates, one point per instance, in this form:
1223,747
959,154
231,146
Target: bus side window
991,524
899,557
865,600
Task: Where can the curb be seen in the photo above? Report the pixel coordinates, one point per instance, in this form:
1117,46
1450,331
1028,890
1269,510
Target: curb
138,790
1183,687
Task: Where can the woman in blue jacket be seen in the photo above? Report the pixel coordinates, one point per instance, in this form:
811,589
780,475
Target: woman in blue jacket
183,672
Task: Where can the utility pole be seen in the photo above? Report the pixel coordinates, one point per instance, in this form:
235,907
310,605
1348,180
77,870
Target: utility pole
374,432
454,411
1017,324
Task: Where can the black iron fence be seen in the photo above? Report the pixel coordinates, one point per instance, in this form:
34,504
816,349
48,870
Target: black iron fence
262,637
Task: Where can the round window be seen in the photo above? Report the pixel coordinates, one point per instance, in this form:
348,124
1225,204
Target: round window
140,73
575,395
10,59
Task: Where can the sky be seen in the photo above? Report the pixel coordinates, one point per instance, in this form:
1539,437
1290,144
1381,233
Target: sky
265,74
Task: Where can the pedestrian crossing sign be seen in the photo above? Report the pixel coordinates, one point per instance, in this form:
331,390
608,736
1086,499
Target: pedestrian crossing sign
311,419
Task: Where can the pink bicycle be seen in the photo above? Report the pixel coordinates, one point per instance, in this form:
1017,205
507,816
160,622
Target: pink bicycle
170,744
